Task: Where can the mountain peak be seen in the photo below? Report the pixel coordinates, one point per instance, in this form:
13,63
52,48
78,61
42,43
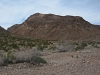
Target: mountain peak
56,27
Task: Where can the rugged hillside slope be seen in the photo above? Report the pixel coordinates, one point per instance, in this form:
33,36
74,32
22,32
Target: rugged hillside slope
4,32
55,27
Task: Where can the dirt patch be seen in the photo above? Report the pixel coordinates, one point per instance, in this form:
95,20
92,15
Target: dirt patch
85,62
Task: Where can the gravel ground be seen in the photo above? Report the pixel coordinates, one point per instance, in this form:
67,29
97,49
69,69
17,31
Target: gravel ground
86,62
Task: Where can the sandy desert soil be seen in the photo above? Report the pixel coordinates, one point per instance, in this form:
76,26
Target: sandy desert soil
86,62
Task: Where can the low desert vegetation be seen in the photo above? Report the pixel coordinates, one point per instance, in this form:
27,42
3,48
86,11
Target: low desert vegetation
11,43
30,57
38,61
21,49
83,45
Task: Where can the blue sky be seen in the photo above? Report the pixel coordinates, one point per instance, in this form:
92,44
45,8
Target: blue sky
16,11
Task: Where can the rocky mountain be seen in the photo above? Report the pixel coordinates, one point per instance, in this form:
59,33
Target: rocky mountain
4,32
56,27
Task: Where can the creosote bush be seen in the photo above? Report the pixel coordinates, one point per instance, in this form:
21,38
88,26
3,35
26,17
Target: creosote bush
35,60
9,58
80,46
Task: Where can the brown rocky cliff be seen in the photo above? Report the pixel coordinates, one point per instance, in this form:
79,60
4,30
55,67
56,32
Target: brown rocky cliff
55,27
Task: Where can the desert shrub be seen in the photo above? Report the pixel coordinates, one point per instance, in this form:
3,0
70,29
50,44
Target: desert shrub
46,42
65,47
84,44
81,46
78,48
98,42
22,61
5,49
40,47
10,56
5,61
76,43
52,48
94,44
30,57
35,60
15,46
1,61
37,53
25,56
62,50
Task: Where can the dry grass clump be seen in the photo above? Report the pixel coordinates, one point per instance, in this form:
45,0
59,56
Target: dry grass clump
65,47
25,56
30,56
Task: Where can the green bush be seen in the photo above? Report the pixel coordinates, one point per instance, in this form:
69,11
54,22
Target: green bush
35,60
83,44
39,47
15,46
9,59
80,46
10,56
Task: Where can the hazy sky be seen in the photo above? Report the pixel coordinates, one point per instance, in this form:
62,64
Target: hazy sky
16,11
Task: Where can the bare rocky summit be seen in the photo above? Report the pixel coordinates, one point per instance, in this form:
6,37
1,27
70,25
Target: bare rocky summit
56,27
